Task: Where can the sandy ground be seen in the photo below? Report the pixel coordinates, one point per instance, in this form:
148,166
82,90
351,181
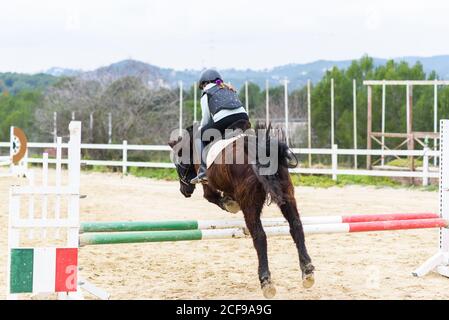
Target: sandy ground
374,265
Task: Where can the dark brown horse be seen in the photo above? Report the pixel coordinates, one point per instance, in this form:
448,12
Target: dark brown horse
242,186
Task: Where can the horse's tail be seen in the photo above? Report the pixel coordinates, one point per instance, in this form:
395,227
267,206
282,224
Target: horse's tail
272,182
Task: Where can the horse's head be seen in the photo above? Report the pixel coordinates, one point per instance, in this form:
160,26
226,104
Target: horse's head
182,157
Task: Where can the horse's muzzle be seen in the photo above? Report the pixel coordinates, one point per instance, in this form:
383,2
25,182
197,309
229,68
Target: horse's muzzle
187,192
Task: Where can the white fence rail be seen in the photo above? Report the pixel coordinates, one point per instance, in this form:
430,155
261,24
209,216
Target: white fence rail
425,174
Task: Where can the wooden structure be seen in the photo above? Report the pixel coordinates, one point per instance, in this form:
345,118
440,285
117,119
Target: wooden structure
409,137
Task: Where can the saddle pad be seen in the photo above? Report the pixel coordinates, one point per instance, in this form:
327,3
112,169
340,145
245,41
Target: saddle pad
217,147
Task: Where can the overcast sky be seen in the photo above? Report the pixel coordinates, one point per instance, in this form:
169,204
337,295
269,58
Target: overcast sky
38,34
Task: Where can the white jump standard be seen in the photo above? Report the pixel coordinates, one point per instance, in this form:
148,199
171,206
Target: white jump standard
440,261
54,266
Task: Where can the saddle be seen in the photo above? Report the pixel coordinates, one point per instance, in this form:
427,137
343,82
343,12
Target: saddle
216,147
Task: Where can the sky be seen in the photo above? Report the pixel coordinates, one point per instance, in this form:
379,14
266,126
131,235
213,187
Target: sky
193,34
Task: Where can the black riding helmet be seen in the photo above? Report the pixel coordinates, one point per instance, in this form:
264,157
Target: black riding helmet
208,76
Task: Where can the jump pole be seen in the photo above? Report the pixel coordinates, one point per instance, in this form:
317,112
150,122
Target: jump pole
128,226
189,235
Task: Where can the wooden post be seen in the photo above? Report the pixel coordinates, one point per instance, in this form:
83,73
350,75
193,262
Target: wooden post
109,128
55,126
332,114
425,179
44,184
125,157
286,110
195,101
58,181
369,126
383,123
309,121
267,101
435,119
74,160
180,107
91,127
354,97
334,161
411,141
246,97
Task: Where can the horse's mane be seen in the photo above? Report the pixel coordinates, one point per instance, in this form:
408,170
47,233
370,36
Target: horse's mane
271,132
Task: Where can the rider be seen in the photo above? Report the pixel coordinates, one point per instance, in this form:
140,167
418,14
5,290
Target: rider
221,107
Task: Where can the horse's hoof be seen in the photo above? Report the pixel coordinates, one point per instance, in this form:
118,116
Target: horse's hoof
308,280
268,289
232,206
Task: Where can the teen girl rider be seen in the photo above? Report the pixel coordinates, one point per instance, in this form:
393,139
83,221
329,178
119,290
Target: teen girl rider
221,107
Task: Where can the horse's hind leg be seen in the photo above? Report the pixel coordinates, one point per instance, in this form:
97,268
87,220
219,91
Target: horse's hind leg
254,225
290,212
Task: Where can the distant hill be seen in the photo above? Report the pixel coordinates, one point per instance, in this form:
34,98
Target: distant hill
157,77
153,76
298,74
438,63
63,72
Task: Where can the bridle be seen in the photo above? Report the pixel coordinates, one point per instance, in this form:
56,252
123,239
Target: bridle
183,178
186,171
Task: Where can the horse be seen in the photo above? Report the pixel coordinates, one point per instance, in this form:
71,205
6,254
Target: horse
234,186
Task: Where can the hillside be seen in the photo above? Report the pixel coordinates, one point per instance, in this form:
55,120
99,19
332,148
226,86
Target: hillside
13,83
157,77
298,74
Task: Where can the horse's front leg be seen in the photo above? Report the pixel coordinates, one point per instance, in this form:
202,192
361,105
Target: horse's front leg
224,202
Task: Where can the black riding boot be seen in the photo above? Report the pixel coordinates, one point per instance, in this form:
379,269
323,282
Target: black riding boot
202,171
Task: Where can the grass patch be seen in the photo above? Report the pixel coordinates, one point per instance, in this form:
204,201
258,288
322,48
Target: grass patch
404,163
316,181
327,182
431,188
155,173
100,169
312,181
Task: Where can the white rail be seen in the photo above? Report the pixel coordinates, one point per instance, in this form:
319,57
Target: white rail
334,152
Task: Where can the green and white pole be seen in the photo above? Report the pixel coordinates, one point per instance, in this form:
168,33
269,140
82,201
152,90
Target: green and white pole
235,233
170,225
